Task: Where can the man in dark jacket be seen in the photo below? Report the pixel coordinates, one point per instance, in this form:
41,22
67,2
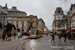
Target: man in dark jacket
53,37
65,35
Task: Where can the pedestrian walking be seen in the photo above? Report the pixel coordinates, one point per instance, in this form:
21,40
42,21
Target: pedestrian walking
6,36
9,36
52,38
14,35
47,34
18,34
65,35
52,35
59,35
3,35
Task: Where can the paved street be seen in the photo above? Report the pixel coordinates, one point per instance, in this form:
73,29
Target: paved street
44,43
14,44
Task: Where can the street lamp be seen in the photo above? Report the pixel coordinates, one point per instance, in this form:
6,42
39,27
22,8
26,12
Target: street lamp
55,25
64,20
22,25
69,34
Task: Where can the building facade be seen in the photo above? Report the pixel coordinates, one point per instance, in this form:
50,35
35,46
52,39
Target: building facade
3,15
71,17
57,22
20,19
41,24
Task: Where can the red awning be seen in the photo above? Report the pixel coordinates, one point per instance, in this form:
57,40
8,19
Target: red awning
69,30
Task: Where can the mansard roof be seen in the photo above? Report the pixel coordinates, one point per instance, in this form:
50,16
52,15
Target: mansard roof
14,10
72,6
41,20
58,10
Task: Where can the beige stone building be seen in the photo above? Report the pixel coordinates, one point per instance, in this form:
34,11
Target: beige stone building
57,22
3,15
41,24
20,19
71,17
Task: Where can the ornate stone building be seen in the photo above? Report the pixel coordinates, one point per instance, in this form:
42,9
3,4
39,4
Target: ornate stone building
41,24
3,14
57,22
20,19
71,17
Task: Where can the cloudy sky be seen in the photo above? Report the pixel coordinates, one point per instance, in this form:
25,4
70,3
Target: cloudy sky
44,9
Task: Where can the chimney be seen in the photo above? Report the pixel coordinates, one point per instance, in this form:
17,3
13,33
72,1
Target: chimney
6,5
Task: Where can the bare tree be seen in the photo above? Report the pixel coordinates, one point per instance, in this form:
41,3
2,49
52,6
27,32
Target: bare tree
65,1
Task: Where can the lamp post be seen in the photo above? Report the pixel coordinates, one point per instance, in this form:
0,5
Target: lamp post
22,25
64,20
55,25
69,34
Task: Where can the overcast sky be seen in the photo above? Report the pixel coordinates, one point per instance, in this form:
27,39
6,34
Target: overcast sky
44,9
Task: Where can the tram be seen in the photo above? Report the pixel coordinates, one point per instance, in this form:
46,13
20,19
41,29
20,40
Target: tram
36,32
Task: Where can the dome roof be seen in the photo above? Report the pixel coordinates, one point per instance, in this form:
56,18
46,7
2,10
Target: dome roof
59,10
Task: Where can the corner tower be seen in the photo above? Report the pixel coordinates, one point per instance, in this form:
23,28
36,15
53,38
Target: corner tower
57,25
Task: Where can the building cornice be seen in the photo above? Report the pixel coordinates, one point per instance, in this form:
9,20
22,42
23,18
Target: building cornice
58,14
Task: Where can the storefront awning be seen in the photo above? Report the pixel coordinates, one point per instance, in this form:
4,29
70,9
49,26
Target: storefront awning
70,30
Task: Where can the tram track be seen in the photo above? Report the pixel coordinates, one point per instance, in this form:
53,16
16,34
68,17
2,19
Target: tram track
23,44
27,46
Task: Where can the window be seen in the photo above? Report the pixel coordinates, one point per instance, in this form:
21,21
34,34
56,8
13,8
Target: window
7,21
17,21
58,18
58,11
12,21
55,18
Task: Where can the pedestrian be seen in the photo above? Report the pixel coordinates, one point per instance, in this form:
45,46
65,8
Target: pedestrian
9,36
3,35
47,34
18,34
14,35
23,33
59,35
6,36
65,35
52,35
